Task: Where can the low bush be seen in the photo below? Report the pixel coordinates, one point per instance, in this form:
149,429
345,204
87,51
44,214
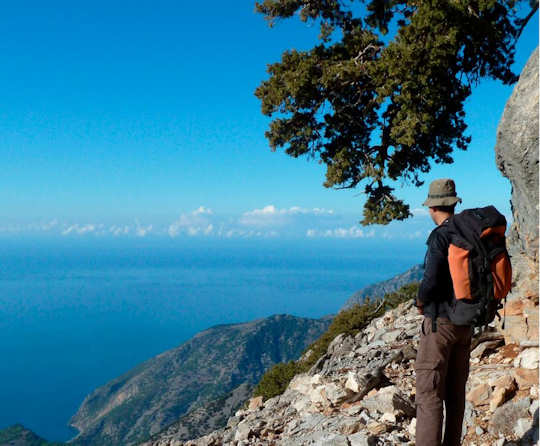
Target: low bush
276,379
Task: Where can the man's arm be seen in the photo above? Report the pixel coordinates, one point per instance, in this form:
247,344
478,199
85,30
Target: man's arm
436,262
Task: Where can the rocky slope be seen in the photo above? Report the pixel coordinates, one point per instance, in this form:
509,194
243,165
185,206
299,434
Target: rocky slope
517,158
215,362
379,289
362,393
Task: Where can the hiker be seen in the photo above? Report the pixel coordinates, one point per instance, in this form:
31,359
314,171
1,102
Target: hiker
442,362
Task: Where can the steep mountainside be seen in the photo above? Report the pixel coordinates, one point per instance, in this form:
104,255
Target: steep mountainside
379,289
216,361
206,418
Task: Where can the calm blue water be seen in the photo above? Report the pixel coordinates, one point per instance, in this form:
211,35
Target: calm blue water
75,315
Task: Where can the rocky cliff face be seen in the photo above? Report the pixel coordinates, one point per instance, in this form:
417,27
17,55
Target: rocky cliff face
215,362
517,158
362,394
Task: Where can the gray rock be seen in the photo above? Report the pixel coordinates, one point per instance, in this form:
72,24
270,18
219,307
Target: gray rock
242,431
316,438
505,418
359,439
341,344
389,399
528,358
468,418
484,347
391,336
517,158
335,394
522,426
233,421
534,407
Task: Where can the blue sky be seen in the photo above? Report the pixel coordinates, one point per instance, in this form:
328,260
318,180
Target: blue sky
139,119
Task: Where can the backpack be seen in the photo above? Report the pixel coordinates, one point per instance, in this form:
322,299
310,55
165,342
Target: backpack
479,266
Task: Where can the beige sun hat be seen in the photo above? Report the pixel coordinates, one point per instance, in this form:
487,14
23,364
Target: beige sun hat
442,193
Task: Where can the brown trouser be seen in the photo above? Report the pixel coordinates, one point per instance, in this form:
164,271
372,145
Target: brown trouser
442,368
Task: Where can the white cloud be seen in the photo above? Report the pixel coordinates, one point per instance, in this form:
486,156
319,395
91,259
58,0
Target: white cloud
201,210
142,231
352,232
192,231
420,212
119,230
79,229
270,215
40,227
241,233
49,225
267,221
314,211
272,210
200,230
194,223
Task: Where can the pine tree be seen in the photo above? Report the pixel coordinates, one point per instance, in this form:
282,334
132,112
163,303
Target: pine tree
374,108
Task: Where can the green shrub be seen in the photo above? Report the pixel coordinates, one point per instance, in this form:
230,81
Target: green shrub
276,379
349,321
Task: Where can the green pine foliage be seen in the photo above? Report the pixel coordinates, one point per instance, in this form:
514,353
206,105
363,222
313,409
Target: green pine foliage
378,107
350,321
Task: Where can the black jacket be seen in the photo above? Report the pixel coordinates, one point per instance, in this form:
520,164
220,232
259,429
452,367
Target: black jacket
436,288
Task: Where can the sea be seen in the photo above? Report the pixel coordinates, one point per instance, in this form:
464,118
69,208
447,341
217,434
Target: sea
76,313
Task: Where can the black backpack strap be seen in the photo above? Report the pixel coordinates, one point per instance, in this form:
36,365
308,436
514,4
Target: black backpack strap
504,317
434,319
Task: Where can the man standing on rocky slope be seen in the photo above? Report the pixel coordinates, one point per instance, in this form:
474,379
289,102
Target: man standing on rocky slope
442,362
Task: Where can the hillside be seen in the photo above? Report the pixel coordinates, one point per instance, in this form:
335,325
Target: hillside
379,289
206,418
18,435
215,362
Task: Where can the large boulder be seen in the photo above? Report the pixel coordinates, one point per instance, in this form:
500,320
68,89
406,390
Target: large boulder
517,158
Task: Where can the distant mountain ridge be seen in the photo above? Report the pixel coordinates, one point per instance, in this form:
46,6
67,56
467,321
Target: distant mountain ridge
213,363
379,289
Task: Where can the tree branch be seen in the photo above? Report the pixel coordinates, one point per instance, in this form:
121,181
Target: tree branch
526,20
365,50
